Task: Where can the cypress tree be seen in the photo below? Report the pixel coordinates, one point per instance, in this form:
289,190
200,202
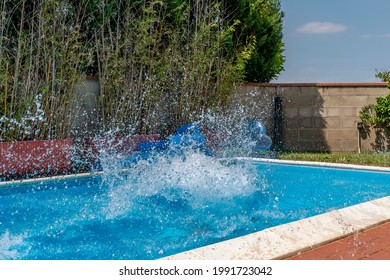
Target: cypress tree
260,22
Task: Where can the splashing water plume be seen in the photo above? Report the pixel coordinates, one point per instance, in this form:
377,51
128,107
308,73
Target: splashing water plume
198,179
170,189
13,246
169,201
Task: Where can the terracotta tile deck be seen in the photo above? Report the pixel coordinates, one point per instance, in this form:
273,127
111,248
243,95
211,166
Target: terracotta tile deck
371,244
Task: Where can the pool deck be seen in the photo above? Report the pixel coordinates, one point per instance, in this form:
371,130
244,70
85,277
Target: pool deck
371,244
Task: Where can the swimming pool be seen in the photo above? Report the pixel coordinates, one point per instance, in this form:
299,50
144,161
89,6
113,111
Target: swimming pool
173,206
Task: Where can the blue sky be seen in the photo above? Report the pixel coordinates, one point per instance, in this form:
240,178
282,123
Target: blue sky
335,40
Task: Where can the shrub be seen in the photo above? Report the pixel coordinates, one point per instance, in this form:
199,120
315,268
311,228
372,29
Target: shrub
378,114
160,63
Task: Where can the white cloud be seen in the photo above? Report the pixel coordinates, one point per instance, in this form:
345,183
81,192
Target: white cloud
376,36
321,27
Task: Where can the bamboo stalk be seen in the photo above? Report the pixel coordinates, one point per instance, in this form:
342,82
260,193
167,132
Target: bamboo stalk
2,28
18,56
5,89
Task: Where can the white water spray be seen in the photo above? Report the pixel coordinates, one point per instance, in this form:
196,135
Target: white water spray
13,246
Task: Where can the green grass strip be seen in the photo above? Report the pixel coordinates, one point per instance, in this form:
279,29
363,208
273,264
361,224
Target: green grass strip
372,159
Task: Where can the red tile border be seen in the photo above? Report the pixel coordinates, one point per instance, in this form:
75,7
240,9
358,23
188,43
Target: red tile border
35,157
371,244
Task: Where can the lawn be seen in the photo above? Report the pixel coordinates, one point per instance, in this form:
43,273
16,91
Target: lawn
374,159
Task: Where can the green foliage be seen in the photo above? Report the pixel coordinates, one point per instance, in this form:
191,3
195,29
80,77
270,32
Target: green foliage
384,76
260,20
169,68
377,114
41,58
374,159
159,63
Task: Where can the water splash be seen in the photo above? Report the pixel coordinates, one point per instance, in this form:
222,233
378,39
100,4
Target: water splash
179,171
13,246
26,124
193,178
238,132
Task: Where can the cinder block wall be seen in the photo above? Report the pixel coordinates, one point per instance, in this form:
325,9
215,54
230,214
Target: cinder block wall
316,117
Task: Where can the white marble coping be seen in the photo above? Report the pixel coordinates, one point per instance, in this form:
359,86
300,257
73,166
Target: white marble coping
22,182
313,164
286,240
55,178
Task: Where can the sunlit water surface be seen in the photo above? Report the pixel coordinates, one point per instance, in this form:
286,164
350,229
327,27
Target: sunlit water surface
169,206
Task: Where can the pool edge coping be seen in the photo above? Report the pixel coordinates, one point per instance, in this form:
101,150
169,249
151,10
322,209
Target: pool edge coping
46,179
314,164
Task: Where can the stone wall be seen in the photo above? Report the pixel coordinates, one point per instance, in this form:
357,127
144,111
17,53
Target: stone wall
316,117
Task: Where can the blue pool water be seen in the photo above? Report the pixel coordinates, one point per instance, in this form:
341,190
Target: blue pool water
176,205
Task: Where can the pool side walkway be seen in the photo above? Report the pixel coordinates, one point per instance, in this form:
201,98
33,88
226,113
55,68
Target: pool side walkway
371,244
